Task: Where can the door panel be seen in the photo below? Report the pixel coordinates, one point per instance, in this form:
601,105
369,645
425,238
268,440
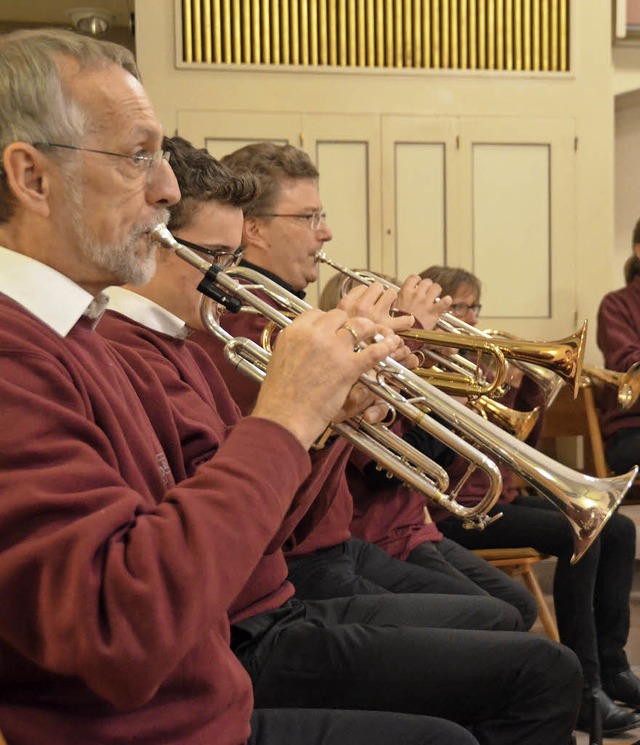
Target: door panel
517,186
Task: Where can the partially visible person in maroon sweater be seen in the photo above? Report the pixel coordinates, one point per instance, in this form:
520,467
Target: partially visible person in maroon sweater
591,598
397,518
618,335
116,580
302,652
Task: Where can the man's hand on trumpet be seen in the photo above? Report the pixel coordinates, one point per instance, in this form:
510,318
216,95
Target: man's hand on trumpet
421,298
314,366
361,402
378,304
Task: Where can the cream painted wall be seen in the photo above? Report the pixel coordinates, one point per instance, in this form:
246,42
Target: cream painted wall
583,96
626,66
626,90
626,87
627,181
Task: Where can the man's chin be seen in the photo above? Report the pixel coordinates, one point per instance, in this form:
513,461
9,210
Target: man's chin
139,272
142,275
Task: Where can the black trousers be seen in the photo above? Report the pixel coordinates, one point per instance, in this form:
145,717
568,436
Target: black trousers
377,653
591,597
622,450
358,567
464,573
338,727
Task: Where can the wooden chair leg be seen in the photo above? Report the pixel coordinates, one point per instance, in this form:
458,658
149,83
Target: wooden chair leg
547,619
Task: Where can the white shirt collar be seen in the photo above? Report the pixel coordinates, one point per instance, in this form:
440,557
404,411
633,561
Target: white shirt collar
146,312
50,296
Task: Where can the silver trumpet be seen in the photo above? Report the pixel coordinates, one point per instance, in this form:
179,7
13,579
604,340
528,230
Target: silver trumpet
587,502
382,445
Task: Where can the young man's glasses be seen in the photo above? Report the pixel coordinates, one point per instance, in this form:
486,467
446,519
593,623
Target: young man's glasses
460,310
314,220
223,259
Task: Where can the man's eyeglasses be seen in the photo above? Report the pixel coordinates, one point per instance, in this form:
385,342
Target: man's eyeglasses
223,259
313,219
460,310
142,159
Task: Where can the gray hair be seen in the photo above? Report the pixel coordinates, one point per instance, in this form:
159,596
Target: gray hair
34,106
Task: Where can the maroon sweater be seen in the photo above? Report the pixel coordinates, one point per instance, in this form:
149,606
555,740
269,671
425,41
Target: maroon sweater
618,337
391,515
116,580
203,410
333,508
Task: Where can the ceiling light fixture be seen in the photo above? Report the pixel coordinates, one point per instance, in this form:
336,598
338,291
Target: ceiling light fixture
90,21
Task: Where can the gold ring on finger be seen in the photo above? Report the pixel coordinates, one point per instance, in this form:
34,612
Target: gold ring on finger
353,332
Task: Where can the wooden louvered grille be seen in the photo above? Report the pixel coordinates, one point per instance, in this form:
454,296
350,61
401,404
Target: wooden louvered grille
422,34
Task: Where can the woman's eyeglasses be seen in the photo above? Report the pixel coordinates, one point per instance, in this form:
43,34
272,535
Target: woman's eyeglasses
461,309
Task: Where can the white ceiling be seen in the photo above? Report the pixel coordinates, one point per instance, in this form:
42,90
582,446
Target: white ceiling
56,12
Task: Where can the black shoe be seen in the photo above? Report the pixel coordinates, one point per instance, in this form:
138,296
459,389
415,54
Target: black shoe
615,719
623,687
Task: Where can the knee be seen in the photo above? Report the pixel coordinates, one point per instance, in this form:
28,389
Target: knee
512,618
560,670
528,608
620,530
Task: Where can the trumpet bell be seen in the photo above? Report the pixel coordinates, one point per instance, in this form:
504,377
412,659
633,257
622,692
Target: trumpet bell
519,423
627,383
629,387
564,358
589,509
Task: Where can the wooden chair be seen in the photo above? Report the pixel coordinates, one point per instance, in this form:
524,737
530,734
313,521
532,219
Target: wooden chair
569,417
519,562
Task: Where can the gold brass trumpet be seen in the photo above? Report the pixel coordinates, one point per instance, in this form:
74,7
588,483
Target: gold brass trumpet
545,378
627,383
587,502
462,383
519,423
564,357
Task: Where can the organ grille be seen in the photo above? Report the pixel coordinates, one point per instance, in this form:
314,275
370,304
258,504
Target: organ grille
420,34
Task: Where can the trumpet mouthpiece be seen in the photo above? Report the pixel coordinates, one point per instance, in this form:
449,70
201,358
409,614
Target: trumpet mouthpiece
162,235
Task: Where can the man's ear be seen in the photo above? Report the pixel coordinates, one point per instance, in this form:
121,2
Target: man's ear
636,250
28,176
250,230
252,233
